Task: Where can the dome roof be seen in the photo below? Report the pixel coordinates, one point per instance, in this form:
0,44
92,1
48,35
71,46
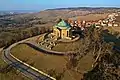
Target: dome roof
63,25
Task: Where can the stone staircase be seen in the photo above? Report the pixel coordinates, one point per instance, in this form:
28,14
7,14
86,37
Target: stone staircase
48,43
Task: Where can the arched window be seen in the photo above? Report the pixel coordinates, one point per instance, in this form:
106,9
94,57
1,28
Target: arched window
67,33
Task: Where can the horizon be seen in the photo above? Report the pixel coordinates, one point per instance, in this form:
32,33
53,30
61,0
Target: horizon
30,10
38,5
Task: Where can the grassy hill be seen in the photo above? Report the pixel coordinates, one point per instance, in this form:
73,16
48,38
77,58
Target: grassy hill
51,64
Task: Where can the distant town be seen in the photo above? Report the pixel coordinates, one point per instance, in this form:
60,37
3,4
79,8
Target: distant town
109,21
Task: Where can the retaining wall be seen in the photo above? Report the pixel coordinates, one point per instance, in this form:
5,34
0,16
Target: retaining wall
45,51
26,63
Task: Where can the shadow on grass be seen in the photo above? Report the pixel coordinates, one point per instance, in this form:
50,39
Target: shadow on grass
112,38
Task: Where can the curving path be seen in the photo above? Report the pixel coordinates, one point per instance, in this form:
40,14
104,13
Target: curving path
26,69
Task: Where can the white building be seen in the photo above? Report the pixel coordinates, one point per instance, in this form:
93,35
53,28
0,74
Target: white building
115,25
103,24
110,24
97,26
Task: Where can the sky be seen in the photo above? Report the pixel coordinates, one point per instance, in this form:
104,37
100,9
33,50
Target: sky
49,4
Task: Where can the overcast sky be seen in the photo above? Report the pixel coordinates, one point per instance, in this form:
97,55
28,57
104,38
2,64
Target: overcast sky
47,4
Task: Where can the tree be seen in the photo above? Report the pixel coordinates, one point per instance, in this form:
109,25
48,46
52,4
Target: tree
106,60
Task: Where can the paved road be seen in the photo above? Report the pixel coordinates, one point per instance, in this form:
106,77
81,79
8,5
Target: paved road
26,70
